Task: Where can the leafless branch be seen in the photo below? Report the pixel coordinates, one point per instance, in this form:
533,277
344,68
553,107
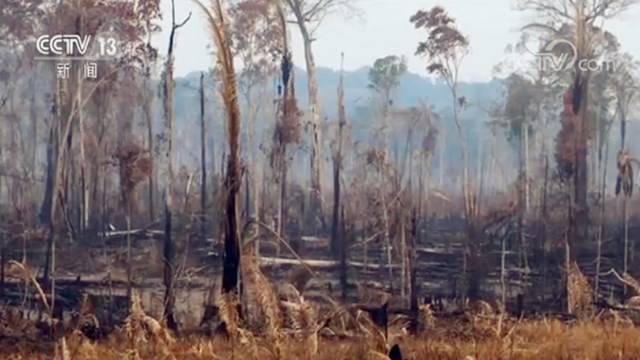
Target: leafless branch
541,27
178,26
608,8
554,8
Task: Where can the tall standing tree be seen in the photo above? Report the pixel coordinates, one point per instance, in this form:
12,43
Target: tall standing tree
256,38
168,88
582,18
336,248
309,15
444,49
287,129
218,23
148,14
203,161
384,78
625,89
520,112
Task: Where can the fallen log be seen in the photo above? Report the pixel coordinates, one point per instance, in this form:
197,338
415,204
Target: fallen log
119,233
320,264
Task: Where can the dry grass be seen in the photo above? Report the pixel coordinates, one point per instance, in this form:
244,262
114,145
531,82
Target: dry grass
533,339
261,293
293,327
296,328
580,293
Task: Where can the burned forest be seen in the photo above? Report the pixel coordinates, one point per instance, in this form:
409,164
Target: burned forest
319,179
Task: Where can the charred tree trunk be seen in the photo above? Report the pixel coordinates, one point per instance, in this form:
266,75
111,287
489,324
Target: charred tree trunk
203,162
344,284
231,262
128,239
469,284
315,203
55,156
2,262
543,230
625,210
336,205
337,166
287,108
84,188
52,148
442,159
33,118
168,251
579,227
255,173
252,192
246,210
233,180
527,188
603,187
413,274
169,124
148,116
282,216
83,205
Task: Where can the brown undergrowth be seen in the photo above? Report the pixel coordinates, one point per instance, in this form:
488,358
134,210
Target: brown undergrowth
531,339
281,322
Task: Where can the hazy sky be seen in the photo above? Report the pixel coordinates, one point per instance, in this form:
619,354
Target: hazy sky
384,29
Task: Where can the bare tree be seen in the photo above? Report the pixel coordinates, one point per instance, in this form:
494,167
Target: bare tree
168,88
147,56
625,89
203,162
337,167
256,34
309,15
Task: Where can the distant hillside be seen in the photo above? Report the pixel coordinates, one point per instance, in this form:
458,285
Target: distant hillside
414,90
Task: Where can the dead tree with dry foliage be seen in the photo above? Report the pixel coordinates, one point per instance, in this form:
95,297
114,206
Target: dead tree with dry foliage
217,20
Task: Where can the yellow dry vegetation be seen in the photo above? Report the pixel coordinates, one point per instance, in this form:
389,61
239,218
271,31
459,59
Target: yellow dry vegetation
607,337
